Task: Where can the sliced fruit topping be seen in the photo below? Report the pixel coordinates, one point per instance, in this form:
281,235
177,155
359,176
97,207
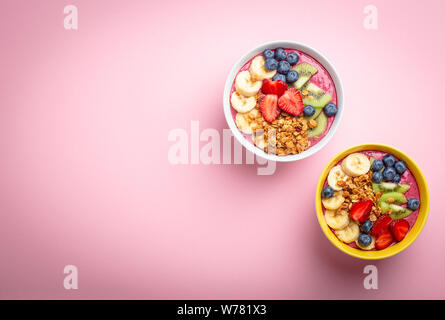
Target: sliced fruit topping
244,120
334,202
305,72
337,220
360,210
393,197
335,176
258,69
269,107
399,229
381,225
383,240
389,186
277,87
241,103
399,212
348,234
246,85
322,123
356,164
291,102
315,97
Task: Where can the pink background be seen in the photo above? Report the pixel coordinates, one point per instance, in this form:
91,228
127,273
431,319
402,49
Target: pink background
84,173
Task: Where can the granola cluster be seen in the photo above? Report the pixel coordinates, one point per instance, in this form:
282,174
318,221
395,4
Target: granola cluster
287,134
359,189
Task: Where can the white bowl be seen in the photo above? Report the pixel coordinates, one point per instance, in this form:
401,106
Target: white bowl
290,45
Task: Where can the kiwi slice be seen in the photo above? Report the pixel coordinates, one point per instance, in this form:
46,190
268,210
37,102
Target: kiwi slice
315,115
399,212
398,197
319,97
390,186
322,122
305,72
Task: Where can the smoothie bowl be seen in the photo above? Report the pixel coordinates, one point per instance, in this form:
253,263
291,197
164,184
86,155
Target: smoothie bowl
372,201
283,101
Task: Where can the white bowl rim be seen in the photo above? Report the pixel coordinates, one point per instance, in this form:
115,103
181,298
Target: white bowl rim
290,45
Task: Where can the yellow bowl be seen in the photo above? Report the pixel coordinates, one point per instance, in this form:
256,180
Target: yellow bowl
415,230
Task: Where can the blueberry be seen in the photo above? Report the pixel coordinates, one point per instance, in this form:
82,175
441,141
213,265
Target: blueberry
292,76
413,203
283,67
389,160
271,64
400,167
292,58
396,178
377,165
330,109
389,173
327,192
309,111
377,177
278,76
268,54
366,226
280,54
364,239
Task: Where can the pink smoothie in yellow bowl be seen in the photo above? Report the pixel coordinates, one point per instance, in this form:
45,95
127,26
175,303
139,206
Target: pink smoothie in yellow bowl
370,200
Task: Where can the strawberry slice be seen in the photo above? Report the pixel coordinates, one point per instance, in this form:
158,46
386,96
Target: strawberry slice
360,210
381,225
277,87
399,229
291,102
383,240
269,107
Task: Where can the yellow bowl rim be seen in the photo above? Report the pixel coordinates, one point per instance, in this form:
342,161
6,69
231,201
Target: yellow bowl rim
415,230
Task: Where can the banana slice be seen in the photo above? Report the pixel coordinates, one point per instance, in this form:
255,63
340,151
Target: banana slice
242,122
336,174
356,164
258,69
259,141
245,121
337,219
348,234
245,85
368,247
241,103
334,202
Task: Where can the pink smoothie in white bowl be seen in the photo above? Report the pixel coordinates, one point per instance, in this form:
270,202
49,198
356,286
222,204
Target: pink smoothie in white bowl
283,102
